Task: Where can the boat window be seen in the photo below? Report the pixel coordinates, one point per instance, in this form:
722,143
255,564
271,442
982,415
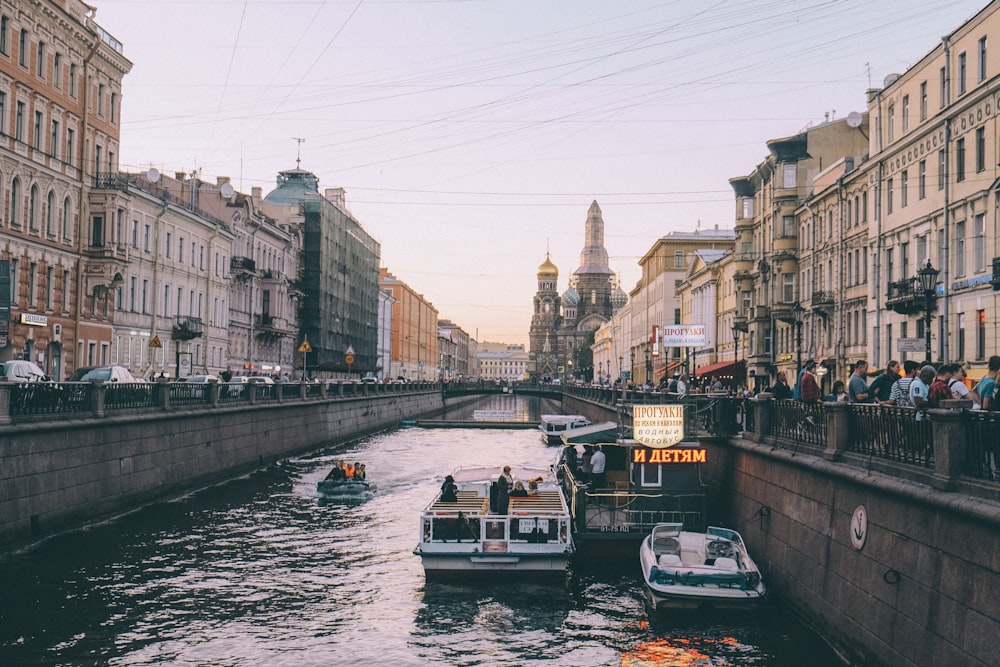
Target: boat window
650,474
451,529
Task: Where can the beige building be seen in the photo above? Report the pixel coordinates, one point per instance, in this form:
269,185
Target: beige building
506,362
415,354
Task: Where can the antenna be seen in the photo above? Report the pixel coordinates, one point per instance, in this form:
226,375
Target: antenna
298,153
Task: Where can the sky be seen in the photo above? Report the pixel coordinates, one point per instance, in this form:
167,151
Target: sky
471,136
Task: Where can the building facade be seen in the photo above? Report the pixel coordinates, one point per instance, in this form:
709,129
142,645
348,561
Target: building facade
415,355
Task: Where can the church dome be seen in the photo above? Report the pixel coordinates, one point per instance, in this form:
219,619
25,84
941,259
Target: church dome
618,298
547,268
571,297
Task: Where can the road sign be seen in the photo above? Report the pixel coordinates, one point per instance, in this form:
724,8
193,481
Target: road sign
155,342
348,359
305,347
911,344
349,350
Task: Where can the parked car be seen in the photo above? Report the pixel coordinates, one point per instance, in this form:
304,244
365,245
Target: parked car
260,379
370,378
18,370
105,373
200,378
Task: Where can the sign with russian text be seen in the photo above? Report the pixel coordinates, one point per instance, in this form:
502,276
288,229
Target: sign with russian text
658,426
675,455
910,344
656,341
34,320
492,415
684,335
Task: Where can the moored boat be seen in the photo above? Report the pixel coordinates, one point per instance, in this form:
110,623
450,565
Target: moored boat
553,427
686,569
486,531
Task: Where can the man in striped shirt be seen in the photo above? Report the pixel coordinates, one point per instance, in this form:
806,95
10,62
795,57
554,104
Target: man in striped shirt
900,392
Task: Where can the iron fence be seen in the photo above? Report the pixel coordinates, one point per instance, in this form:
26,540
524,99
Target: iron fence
889,432
799,421
982,444
42,398
189,393
129,395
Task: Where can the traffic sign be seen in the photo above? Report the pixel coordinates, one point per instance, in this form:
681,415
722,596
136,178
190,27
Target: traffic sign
349,359
349,350
155,342
305,347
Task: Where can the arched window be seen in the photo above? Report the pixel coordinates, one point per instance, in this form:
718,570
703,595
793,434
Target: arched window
50,214
33,209
15,203
66,229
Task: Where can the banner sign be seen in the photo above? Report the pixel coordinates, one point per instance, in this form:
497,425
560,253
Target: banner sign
684,335
658,426
656,341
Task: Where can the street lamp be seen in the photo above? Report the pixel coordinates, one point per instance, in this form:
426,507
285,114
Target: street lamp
631,367
649,367
928,282
797,312
736,354
621,366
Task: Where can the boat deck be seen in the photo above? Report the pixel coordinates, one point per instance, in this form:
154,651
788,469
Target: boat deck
470,502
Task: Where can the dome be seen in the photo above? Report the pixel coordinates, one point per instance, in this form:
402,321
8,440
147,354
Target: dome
618,298
293,186
571,297
547,268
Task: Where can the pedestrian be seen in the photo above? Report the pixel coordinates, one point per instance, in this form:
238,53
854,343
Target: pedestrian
960,390
882,385
781,389
839,394
899,395
920,390
857,387
810,386
938,390
988,383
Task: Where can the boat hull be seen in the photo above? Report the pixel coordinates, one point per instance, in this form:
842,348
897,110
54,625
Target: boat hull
458,564
331,487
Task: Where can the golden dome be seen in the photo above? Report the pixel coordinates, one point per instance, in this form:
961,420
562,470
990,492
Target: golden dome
547,268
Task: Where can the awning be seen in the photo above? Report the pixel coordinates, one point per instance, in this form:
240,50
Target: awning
724,368
605,433
671,366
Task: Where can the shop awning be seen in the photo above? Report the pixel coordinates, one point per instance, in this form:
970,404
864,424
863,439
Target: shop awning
669,368
723,368
605,433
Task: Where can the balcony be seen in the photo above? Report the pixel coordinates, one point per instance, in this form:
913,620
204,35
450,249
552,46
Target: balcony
187,328
822,301
783,312
906,297
242,267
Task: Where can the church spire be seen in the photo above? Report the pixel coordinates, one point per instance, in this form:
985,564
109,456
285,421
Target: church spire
594,257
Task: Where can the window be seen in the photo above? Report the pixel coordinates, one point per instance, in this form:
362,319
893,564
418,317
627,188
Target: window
960,75
114,105
788,175
145,296
100,99
5,35
942,168
65,220
166,301
145,239
69,146
905,114
888,196
961,335
979,242
890,121
941,249
40,60
194,261
922,179
888,265
864,206
921,250
22,47
50,206
19,122
981,149
944,87
788,287
981,68
36,139
32,285
57,70
904,260
923,100
788,226
747,207
15,203
904,178
72,80
960,159
167,244
180,249
97,232
981,330
135,234
54,138
678,259
131,293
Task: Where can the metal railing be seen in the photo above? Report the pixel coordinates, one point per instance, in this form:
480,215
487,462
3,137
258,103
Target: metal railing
982,444
892,433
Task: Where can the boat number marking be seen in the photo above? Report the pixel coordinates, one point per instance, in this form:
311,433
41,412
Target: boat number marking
859,527
615,529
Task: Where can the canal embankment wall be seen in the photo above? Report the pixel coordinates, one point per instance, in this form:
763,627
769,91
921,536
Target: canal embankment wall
62,475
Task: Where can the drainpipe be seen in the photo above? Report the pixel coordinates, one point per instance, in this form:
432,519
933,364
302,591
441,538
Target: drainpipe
877,282
155,283
943,330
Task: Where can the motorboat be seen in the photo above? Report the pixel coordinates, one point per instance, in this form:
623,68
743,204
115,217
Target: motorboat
482,531
689,569
553,427
338,482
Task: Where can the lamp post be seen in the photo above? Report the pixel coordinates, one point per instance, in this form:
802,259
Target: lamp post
736,354
649,367
631,368
797,312
621,366
928,282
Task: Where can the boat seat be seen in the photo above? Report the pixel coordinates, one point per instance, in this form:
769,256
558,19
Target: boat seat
727,564
666,545
669,560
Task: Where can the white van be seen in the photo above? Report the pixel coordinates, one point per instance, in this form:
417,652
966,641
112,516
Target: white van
18,370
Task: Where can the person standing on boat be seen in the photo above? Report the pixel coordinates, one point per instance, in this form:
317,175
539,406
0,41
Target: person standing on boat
598,461
449,490
504,484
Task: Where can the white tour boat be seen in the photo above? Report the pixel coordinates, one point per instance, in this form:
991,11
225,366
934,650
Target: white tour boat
554,426
482,532
683,569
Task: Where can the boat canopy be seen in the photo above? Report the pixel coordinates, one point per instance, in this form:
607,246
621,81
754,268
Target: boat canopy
604,433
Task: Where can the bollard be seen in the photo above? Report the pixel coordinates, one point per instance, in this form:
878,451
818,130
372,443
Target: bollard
835,416
761,415
948,437
213,392
5,388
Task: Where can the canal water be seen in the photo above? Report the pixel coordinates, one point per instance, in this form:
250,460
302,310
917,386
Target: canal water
263,571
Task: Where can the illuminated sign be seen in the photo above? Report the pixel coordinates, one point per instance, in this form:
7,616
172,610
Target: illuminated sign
34,320
684,335
658,426
676,455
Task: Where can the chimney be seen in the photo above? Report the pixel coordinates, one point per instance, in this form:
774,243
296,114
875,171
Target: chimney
255,192
221,180
336,196
180,176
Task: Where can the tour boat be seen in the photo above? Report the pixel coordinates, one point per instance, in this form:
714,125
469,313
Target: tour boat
477,534
685,569
554,426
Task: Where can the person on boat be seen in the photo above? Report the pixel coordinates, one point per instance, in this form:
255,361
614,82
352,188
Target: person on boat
569,458
598,461
505,483
519,491
359,471
449,490
533,486
337,472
